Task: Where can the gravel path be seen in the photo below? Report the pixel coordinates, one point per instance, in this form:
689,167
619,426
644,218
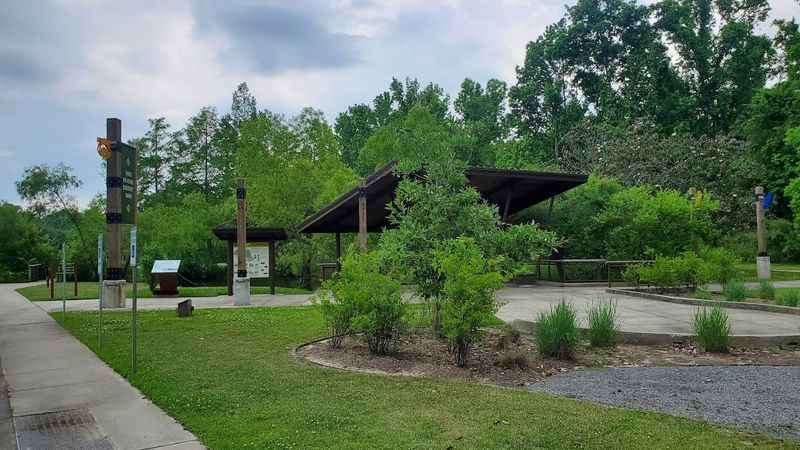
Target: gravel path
757,398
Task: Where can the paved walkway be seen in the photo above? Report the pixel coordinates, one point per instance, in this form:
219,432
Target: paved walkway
638,315
63,396
222,301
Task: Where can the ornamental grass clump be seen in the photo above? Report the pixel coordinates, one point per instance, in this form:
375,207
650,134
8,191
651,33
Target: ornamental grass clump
362,300
735,291
788,298
602,318
557,331
713,329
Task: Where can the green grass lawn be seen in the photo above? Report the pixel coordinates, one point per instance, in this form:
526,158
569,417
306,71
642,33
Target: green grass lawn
89,290
748,272
228,376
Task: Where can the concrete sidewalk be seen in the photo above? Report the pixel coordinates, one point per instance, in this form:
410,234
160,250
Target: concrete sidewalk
63,396
222,301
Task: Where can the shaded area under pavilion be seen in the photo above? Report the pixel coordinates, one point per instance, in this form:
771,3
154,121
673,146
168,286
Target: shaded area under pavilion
363,209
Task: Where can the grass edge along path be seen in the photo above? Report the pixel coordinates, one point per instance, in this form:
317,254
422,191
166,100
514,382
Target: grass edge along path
228,375
89,290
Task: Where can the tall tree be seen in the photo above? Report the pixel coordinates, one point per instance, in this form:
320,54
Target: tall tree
482,111
48,189
243,106
199,164
354,127
154,158
722,60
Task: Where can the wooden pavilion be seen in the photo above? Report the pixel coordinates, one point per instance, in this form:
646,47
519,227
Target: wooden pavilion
364,209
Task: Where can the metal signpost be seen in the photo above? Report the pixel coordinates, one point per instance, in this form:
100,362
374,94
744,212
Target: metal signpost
133,306
100,291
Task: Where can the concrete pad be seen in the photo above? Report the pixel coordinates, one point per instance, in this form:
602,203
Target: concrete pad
638,315
47,370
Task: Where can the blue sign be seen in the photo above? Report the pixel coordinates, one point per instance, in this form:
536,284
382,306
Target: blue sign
768,200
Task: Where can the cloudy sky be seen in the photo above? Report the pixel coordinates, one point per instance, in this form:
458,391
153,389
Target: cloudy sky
67,65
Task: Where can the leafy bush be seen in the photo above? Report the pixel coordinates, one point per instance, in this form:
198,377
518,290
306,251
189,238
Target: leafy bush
713,329
789,297
641,221
735,291
469,293
721,264
602,318
363,300
557,332
668,272
766,290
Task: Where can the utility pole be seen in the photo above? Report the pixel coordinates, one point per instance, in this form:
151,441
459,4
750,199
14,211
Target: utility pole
241,285
762,260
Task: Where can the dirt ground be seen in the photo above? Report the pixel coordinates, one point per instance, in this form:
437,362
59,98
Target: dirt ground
509,361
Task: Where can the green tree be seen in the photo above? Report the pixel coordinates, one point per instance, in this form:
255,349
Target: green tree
47,189
354,127
198,162
28,243
723,61
482,114
154,159
469,288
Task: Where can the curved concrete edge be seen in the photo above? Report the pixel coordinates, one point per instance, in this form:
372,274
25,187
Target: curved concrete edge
641,338
700,302
297,353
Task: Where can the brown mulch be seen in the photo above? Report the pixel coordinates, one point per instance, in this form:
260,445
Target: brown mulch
498,360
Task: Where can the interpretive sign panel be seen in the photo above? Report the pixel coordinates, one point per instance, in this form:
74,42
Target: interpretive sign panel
166,266
257,259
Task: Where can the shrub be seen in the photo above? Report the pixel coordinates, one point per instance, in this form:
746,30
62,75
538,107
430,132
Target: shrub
557,331
789,297
363,300
766,290
668,272
735,291
468,292
713,329
602,318
721,264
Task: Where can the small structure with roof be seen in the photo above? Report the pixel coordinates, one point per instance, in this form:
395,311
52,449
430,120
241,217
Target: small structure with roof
260,255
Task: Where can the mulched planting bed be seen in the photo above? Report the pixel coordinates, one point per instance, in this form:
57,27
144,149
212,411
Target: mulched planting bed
497,360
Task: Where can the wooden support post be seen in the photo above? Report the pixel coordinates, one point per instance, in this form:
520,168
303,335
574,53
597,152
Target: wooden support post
114,270
241,289
508,203
52,283
75,276
362,218
763,269
760,230
231,275
338,251
241,230
272,280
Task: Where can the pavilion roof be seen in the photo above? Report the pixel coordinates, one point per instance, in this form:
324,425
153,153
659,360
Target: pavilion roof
519,189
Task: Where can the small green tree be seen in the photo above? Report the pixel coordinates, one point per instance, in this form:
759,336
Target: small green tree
469,290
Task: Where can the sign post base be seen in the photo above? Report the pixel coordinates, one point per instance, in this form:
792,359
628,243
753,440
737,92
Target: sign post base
113,295
241,291
763,268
